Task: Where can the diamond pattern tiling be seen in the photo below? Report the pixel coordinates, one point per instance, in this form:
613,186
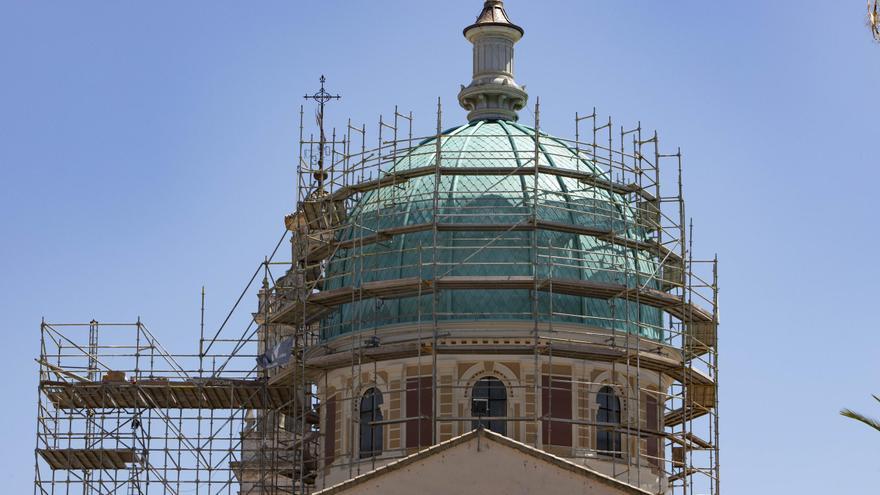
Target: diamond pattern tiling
491,199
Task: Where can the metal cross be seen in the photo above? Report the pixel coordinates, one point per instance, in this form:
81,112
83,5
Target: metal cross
322,97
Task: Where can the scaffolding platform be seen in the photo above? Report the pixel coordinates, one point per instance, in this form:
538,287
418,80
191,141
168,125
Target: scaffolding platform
214,394
322,250
321,303
682,415
88,459
690,441
394,178
683,474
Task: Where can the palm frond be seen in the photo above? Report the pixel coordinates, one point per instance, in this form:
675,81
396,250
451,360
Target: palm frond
873,423
874,18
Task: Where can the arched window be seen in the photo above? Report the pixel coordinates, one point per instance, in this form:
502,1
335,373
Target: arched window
489,399
608,419
371,434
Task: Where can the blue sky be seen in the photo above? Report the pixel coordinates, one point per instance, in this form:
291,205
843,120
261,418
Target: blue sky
148,148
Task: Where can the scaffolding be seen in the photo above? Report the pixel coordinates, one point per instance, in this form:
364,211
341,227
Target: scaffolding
120,414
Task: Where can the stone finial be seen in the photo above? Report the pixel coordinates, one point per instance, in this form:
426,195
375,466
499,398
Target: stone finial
493,94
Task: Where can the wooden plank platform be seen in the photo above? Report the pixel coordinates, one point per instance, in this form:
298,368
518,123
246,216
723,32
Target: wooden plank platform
214,394
683,474
295,313
88,458
399,177
413,286
677,417
701,398
322,251
671,367
689,441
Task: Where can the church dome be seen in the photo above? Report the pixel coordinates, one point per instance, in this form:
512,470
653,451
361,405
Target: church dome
487,236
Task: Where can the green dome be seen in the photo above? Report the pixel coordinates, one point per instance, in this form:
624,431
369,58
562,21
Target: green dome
484,219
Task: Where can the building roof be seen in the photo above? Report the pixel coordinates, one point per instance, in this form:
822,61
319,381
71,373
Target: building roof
482,209
493,14
418,462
